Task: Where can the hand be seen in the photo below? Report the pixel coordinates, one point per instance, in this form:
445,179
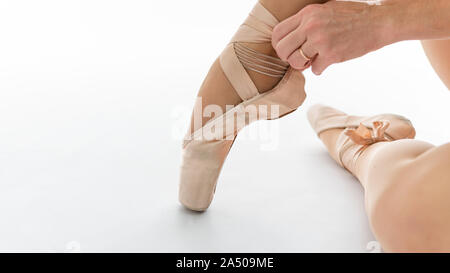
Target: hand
328,33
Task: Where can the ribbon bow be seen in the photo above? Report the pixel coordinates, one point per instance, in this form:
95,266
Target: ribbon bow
364,136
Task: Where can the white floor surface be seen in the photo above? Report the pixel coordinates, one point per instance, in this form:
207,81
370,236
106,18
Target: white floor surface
95,96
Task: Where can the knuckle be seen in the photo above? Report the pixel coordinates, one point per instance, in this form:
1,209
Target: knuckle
276,30
317,39
313,25
299,34
281,52
276,34
310,24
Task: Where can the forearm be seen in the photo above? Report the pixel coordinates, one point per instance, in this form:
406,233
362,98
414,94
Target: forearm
338,31
400,20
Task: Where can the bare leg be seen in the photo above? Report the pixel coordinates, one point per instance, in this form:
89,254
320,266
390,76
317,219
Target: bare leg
407,185
438,52
286,8
217,90
250,65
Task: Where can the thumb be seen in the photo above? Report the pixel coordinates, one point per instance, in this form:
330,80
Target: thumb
319,65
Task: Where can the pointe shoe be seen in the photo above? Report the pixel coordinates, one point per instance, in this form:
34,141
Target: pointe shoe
203,157
358,132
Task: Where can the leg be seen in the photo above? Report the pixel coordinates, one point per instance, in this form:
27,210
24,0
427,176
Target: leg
438,52
238,90
284,9
217,90
407,185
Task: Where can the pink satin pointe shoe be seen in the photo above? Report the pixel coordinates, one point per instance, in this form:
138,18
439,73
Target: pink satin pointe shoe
359,132
203,157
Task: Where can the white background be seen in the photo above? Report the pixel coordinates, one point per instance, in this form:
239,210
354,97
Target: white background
93,94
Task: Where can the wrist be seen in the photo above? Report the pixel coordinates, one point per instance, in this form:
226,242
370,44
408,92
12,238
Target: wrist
386,23
400,20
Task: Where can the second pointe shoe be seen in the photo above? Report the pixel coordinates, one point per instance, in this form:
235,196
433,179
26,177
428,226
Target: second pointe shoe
358,132
203,156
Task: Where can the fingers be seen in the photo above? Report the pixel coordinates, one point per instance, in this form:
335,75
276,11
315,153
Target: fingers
298,61
302,61
309,50
284,28
320,59
319,65
311,57
309,31
290,43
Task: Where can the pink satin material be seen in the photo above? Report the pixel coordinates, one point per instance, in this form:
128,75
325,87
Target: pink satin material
202,158
358,132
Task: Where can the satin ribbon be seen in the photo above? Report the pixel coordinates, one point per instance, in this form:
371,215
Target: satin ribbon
364,136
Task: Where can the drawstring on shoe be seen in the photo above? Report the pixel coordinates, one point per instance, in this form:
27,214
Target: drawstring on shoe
259,62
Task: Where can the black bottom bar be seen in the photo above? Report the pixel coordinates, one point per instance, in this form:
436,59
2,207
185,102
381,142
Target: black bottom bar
222,262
